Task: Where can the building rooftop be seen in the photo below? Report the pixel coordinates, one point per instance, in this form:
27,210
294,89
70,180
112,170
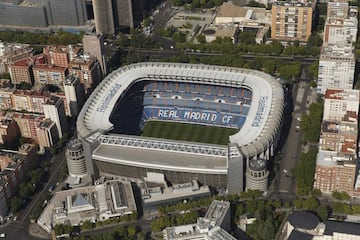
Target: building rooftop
303,220
257,164
228,9
174,192
333,158
171,160
74,144
343,94
49,68
332,52
342,227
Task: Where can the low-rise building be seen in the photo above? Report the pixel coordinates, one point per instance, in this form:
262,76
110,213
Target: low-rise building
94,203
213,226
306,225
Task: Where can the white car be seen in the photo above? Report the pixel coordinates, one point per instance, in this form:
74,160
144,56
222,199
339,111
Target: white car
2,235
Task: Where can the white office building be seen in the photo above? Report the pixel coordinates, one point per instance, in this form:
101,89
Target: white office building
336,67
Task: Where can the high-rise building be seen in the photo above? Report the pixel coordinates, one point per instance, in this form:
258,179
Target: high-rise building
43,13
103,15
74,94
336,67
54,109
291,20
114,15
94,45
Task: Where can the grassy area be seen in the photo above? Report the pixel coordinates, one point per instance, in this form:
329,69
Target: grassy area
188,132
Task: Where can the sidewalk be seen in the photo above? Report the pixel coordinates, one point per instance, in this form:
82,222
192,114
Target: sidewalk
36,231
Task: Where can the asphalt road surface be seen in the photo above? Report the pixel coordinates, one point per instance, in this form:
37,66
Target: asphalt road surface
17,231
290,152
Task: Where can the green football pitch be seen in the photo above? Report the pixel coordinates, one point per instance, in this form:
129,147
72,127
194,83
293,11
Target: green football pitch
188,132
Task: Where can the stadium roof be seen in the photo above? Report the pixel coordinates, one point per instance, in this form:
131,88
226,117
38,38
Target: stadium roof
161,158
255,137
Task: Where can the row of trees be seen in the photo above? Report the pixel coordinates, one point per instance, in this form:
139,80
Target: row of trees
120,233
286,71
59,38
304,172
32,183
311,123
195,4
174,220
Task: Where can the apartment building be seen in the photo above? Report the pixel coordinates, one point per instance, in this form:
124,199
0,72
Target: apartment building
47,134
21,71
291,21
336,160
28,123
334,172
49,74
14,165
341,104
8,132
12,52
341,24
87,68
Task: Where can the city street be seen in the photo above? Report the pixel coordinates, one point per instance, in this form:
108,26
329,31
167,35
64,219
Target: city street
284,187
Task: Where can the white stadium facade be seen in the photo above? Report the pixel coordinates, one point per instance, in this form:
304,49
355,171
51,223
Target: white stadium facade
238,166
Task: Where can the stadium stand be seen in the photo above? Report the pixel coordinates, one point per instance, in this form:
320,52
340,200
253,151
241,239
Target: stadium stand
248,100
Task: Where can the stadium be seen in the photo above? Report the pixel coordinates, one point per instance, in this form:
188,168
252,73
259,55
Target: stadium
186,121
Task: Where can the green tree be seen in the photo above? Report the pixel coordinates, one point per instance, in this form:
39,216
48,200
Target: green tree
323,212
201,38
87,224
15,204
131,231
314,69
